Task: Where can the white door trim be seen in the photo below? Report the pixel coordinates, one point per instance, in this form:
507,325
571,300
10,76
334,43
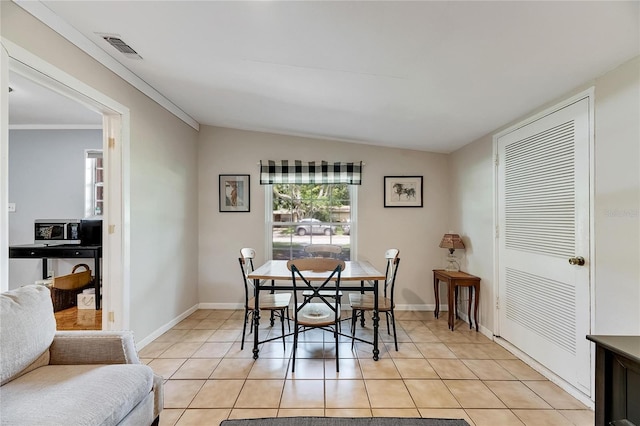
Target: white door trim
4,170
116,258
590,95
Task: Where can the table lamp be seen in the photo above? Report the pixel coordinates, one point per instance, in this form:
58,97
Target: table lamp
452,241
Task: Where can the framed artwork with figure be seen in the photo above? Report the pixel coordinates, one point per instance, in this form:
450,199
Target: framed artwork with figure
234,193
403,191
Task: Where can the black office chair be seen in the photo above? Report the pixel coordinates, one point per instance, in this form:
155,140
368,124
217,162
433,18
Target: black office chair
319,310
275,303
361,303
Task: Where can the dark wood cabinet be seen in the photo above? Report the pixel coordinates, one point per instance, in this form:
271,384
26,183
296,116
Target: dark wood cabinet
617,379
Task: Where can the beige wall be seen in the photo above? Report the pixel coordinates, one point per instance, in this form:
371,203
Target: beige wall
472,216
617,201
415,231
163,179
616,204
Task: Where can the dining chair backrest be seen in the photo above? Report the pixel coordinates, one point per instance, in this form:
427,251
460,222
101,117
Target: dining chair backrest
299,267
331,250
393,261
247,255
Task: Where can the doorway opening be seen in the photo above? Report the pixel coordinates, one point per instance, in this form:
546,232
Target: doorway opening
114,142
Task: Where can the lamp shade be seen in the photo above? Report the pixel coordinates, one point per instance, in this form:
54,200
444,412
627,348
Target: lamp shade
451,242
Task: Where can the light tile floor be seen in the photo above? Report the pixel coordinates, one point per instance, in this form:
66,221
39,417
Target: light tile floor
436,373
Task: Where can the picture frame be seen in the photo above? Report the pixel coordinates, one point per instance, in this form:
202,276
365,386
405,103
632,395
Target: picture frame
234,193
403,191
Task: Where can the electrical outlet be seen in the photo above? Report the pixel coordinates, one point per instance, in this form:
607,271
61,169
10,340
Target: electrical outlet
50,273
12,207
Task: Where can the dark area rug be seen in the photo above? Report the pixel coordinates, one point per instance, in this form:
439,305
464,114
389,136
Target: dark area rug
344,421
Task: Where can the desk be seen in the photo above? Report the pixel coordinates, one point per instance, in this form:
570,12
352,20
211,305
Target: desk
617,379
63,251
454,280
353,272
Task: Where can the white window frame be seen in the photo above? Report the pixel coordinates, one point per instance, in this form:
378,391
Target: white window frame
91,183
268,221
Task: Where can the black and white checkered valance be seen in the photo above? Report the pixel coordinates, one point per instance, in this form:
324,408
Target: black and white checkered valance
296,171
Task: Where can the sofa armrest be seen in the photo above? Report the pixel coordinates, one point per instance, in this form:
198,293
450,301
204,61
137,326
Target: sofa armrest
158,397
93,347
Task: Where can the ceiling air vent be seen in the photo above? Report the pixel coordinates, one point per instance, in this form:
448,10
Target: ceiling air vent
121,46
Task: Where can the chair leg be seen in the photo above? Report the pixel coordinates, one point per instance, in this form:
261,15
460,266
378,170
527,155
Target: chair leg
354,321
393,322
336,335
244,327
295,347
340,304
288,319
282,323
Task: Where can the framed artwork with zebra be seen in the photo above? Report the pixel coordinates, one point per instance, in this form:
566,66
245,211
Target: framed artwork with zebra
403,191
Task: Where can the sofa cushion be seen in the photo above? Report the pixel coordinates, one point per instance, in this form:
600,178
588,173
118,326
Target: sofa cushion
75,394
27,327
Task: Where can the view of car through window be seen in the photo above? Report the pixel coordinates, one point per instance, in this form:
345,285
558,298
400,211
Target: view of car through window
313,226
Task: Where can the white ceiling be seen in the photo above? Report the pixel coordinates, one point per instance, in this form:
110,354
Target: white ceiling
34,106
428,75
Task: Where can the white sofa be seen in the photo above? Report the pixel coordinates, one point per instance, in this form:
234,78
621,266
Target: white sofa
69,378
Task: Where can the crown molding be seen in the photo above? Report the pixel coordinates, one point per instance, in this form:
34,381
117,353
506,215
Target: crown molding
55,127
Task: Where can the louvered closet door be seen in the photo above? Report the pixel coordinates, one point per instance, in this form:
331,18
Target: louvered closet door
543,207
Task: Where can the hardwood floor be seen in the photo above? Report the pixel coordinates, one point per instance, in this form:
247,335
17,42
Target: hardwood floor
79,319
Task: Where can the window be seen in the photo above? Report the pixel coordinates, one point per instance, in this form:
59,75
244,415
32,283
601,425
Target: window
94,181
303,214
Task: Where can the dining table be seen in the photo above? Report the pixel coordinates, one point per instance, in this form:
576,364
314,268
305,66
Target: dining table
360,276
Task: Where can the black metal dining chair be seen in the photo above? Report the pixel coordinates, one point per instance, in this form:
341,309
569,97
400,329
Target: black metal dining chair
361,303
276,303
322,308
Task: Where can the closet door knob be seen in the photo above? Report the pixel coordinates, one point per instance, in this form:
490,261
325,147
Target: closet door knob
579,260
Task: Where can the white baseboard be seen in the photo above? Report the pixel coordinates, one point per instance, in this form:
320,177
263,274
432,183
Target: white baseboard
168,326
221,306
227,306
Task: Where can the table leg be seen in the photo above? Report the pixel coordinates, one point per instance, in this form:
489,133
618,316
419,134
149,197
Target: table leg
376,320
272,318
362,321
436,292
256,318
469,294
455,301
476,291
450,293
44,268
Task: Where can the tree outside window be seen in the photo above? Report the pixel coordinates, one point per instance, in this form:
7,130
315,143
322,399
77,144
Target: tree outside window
306,214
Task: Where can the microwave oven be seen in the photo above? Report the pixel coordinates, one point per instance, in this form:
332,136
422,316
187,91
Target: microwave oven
57,231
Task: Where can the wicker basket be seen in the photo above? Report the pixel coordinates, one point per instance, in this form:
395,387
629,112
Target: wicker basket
65,288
